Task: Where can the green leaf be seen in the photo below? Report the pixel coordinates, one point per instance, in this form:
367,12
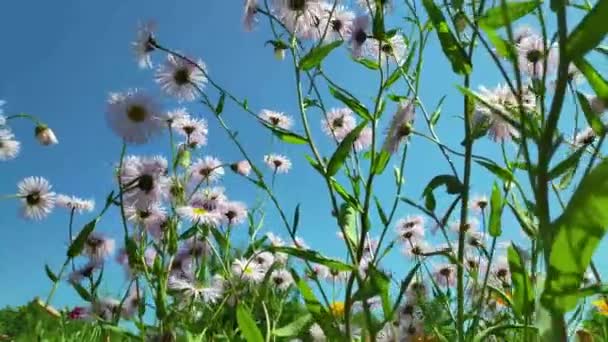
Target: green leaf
523,291
402,69
378,21
380,162
430,203
311,302
498,171
482,336
343,193
567,164
524,221
376,284
495,17
576,234
381,212
496,206
247,325
314,57
49,273
343,150
589,33
452,184
296,219
293,329
285,135
348,221
592,119
450,46
404,285
351,103
314,256
78,244
368,63
82,292
595,79
220,104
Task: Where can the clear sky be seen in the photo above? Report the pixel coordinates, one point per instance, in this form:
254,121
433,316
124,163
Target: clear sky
60,61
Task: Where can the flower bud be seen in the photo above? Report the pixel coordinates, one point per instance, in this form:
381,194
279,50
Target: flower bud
279,53
45,135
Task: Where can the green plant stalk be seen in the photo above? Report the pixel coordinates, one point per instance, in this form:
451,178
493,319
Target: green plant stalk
56,283
557,330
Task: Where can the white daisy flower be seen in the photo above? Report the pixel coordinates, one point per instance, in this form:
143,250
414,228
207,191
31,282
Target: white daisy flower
278,163
76,204
195,290
531,56
368,5
180,78
248,270
338,123
275,240
98,247
504,101
400,127
37,198
211,199
316,333
393,50
105,308
234,213
207,169
339,23
142,46
282,279
263,259
195,130
249,14
359,40
276,119
199,215
585,137
364,140
134,116
300,17
145,180
9,148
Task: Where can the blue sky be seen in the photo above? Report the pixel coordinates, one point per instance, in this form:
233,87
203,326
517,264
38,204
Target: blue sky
61,61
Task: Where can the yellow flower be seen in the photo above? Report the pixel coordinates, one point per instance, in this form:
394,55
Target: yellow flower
336,309
602,306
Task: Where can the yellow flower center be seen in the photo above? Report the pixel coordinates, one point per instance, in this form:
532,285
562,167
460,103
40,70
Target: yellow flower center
199,211
336,308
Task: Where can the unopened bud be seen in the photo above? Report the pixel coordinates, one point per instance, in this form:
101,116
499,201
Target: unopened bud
45,135
279,53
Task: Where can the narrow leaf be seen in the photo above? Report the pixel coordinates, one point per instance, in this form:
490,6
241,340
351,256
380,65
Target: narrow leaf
343,150
285,135
50,274
589,33
567,164
495,225
247,325
316,55
495,17
592,119
314,256
78,244
450,46
293,329
351,103
523,291
595,79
